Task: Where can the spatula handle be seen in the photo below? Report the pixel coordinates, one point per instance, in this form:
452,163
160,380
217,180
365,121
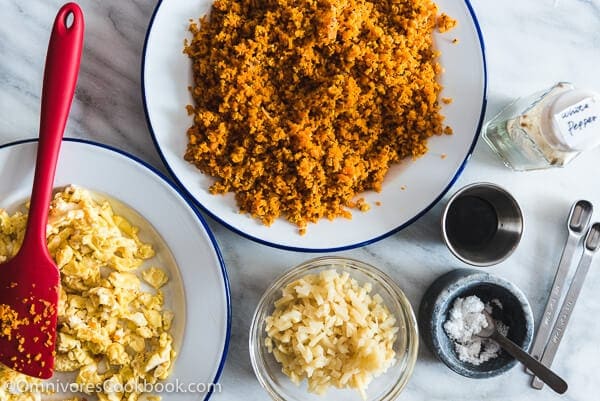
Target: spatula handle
60,77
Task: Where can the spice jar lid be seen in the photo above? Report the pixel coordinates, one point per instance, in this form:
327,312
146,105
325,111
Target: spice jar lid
572,120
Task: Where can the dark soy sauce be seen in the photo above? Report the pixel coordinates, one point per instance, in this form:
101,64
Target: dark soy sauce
471,223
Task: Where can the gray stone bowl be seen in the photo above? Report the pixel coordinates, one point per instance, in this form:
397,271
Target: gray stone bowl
438,300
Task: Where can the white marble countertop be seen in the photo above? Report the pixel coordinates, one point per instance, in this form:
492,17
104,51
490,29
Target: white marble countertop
530,45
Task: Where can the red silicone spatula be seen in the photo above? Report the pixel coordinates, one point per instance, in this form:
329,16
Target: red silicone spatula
29,283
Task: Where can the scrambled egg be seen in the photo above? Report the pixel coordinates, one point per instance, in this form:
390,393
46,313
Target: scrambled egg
111,332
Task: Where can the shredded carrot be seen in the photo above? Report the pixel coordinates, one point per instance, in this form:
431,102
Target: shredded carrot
9,321
301,105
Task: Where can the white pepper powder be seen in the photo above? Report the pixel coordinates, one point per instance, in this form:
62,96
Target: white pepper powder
465,320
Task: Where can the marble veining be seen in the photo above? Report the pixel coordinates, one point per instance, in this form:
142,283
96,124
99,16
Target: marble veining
530,45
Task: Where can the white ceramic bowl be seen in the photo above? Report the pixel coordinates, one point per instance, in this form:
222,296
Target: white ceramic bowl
410,188
198,291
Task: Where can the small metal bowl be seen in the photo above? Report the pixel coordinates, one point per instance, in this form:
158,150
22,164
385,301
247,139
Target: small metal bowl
482,224
438,300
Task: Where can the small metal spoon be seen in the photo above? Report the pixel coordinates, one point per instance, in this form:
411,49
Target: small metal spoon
546,375
577,223
591,246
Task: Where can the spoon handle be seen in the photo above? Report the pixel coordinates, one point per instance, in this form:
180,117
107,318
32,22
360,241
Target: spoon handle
577,223
591,244
549,377
60,77
545,327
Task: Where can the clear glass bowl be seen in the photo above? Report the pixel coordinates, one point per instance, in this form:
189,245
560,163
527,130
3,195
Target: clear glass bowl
384,387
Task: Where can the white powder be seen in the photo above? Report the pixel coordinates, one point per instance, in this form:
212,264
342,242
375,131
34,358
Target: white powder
466,319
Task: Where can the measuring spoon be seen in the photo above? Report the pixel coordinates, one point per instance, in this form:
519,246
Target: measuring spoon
591,245
552,379
577,223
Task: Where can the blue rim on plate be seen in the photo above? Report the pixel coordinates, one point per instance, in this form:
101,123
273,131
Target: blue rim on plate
200,219
319,250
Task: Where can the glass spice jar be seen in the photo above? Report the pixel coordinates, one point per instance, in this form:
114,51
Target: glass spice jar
547,129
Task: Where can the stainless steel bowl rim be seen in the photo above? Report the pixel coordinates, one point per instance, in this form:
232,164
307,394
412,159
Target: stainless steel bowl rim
457,194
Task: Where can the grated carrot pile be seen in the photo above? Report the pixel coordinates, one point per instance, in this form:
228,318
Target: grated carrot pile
301,105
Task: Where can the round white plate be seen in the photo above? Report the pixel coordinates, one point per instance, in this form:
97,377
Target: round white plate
198,290
410,188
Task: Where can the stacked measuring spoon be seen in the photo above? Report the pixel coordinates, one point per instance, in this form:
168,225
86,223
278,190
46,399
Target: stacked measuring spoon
551,328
